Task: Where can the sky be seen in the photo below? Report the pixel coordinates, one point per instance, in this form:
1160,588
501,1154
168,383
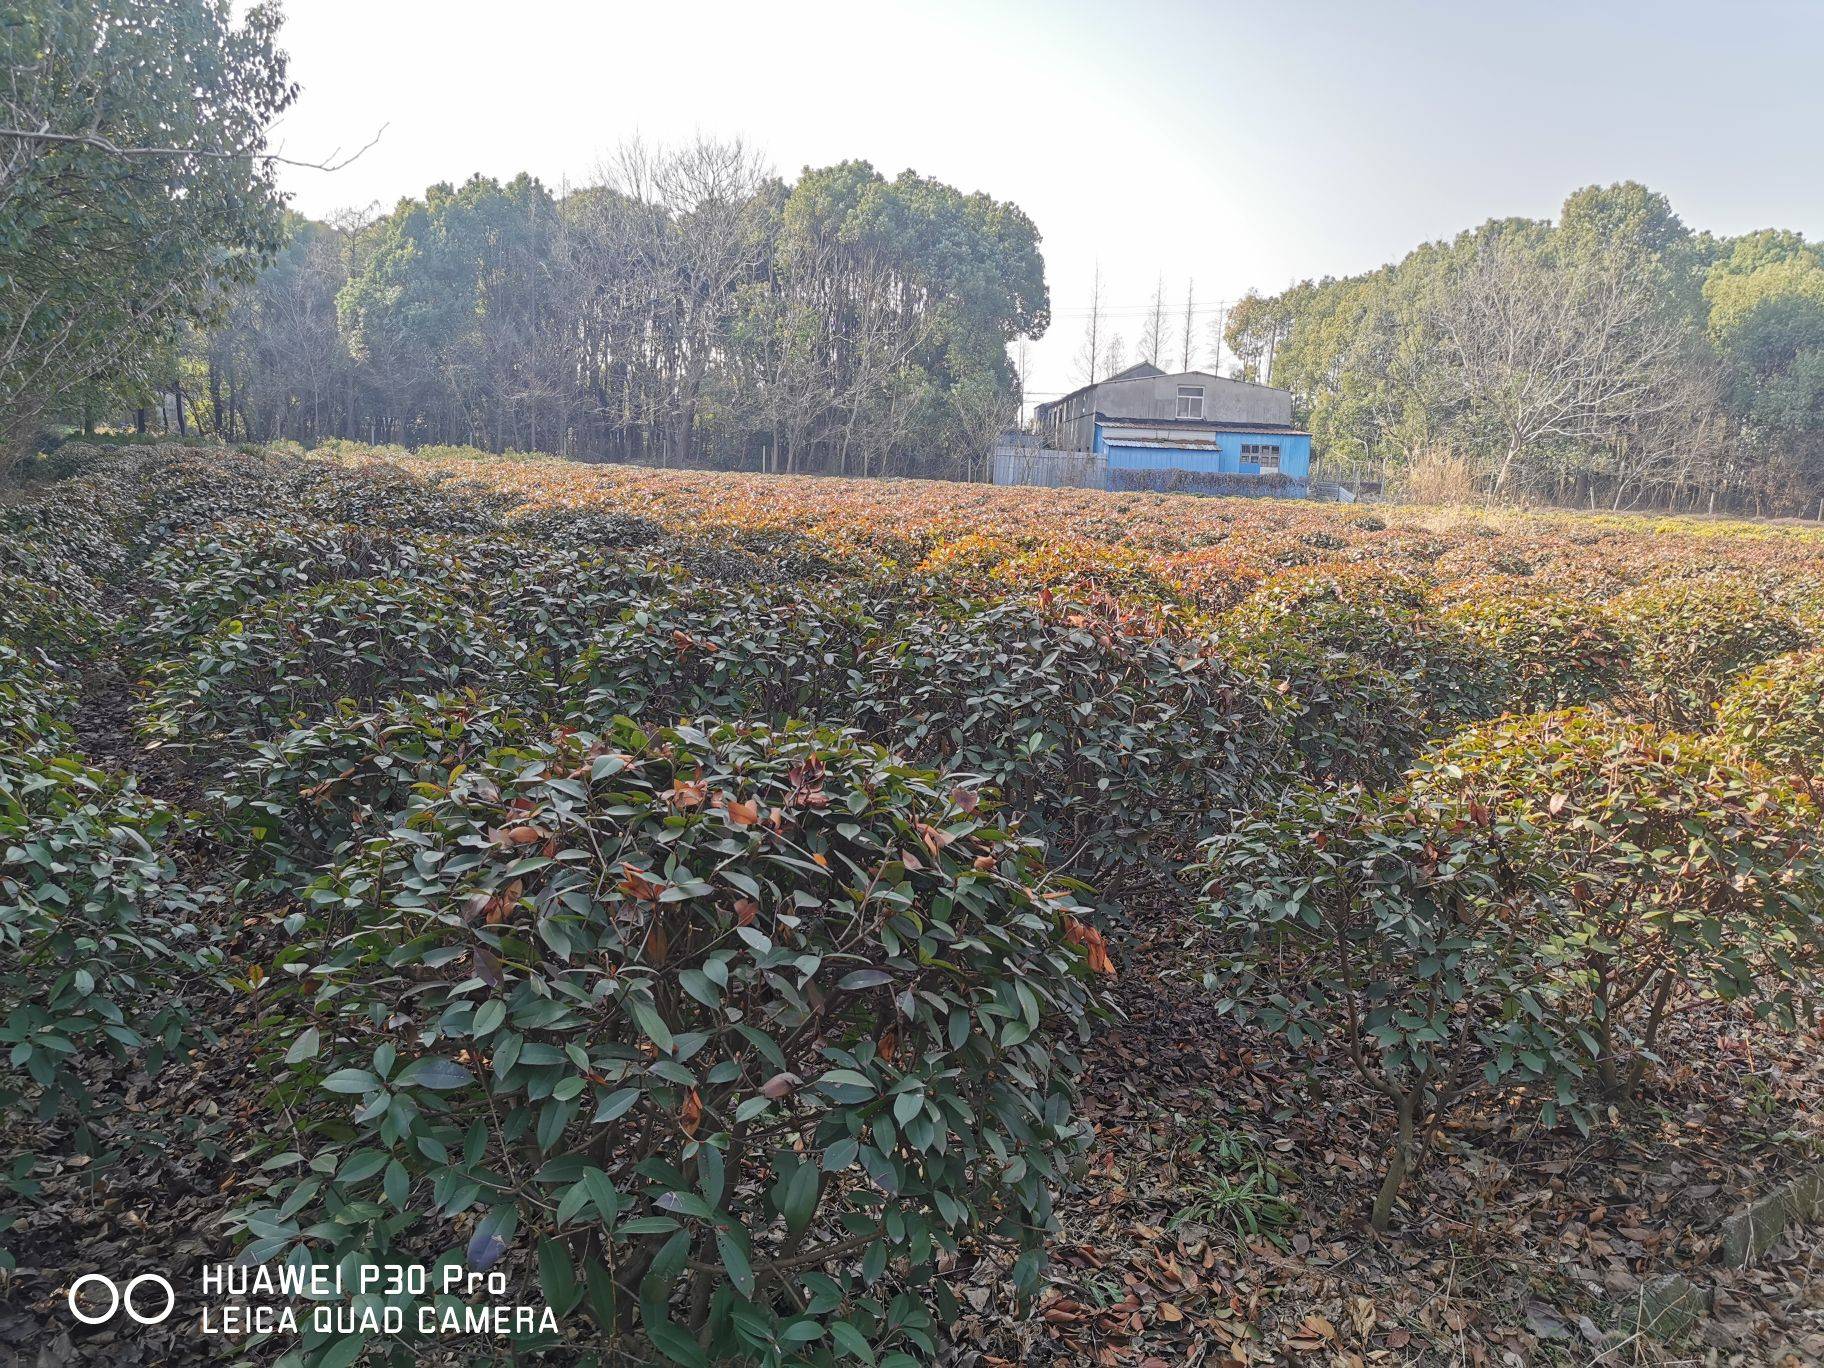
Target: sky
1223,147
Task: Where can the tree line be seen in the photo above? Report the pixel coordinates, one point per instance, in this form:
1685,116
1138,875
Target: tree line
1612,357
686,307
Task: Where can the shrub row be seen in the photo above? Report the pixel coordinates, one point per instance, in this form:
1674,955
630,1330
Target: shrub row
97,933
739,1030
1523,914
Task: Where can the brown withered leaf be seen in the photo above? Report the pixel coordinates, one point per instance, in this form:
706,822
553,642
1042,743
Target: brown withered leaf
780,1085
635,884
685,794
1092,943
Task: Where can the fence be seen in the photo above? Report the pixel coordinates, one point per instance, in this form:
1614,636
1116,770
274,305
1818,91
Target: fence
1049,469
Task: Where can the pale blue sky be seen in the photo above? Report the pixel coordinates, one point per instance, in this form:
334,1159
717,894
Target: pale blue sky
1245,146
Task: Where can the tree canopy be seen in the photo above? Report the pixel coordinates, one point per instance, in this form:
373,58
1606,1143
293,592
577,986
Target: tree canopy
132,190
690,307
1611,355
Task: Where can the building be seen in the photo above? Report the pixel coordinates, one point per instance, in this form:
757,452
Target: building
1191,431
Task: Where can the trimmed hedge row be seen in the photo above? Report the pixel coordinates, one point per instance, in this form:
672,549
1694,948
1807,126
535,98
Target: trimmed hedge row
730,1027
741,1028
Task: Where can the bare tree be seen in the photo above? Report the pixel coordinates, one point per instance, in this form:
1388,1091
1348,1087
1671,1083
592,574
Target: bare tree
1541,350
1114,355
1217,325
1089,356
702,244
1152,333
1190,312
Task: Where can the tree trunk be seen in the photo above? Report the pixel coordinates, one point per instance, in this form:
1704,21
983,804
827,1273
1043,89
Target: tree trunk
1400,1158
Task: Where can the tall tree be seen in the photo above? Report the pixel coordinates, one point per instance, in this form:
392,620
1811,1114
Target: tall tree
1089,354
133,189
1610,355
1190,313
687,308
1152,333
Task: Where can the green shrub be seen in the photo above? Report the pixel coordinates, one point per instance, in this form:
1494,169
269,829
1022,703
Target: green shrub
1775,714
34,697
97,935
1398,932
292,657
1557,651
1690,639
763,654
1346,719
738,1030
406,501
1668,867
67,539
1117,748
1805,599
1113,744
557,601
187,586
42,617
1385,620
291,802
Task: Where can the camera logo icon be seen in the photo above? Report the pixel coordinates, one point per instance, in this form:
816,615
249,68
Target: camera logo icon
128,1298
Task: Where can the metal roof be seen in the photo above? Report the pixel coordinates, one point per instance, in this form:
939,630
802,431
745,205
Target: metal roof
1207,425
1130,374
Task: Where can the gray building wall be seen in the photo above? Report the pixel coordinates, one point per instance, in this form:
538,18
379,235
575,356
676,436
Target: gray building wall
1070,422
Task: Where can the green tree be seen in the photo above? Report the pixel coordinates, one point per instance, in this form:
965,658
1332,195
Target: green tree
1766,315
133,189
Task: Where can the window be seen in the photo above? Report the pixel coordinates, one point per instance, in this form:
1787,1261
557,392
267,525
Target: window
1190,401
1263,454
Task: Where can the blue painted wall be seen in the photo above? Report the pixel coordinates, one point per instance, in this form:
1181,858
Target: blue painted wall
1224,459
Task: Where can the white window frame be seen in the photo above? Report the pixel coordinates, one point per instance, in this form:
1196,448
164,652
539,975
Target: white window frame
1263,454
1188,394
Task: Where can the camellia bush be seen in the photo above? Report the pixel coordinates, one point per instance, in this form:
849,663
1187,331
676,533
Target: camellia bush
1368,665
1775,714
1345,719
292,657
1689,639
287,805
45,618
1403,935
693,649
1557,651
745,1034
193,582
35,695
98,935
1116,746
1669,866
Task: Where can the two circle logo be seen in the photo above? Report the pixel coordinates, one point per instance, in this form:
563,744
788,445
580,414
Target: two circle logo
119,1297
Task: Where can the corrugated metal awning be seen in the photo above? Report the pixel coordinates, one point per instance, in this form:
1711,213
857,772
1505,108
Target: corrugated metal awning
1185,445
